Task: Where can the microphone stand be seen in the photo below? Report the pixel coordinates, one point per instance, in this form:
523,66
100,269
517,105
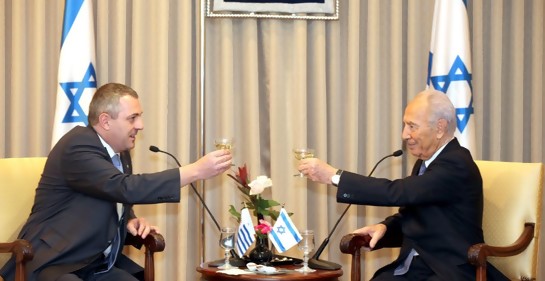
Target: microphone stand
314,262
235,260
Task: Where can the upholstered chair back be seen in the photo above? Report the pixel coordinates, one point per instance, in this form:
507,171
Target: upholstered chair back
512,197
18,181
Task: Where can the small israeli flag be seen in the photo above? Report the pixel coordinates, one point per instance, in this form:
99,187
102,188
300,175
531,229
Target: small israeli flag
246,232
76,76
284,234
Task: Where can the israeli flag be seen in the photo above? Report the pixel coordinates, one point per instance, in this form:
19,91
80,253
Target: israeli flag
246,232
284,234
76,76
449,66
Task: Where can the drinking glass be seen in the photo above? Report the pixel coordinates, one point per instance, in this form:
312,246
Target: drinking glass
302,153
227,242
306,245
223,143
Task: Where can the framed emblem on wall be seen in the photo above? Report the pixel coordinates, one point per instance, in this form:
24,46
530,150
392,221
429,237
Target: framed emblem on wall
275,9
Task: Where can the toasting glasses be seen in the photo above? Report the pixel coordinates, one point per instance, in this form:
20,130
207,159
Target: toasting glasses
227,242
302,153
306,245
223,143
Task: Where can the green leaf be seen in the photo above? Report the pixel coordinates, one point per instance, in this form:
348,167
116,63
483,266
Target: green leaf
274,214
234,212
272,203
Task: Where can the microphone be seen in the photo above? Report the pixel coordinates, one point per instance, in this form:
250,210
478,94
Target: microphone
315,262
154,148
236,260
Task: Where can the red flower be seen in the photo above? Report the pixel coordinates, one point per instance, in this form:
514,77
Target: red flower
263,228
243,175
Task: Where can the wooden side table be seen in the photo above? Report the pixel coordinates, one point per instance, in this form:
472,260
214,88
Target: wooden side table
211,274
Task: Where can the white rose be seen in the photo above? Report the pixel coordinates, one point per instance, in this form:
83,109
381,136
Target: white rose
259,184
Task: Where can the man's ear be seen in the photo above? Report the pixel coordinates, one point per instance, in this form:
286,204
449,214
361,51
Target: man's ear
442,126
104,121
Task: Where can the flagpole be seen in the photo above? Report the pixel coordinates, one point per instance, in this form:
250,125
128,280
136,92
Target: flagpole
200,106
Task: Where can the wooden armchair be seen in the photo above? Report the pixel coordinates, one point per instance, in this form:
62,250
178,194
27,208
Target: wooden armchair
153,243
511,217
19,179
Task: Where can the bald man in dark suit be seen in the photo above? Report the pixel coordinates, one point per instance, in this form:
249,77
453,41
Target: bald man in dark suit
441,202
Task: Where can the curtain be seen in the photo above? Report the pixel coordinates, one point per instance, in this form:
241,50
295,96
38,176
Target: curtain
339,87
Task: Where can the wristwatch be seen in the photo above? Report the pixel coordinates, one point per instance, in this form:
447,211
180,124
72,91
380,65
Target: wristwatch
336,177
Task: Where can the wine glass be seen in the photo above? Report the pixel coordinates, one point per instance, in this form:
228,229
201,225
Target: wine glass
302,153
227,242
223,143
306,245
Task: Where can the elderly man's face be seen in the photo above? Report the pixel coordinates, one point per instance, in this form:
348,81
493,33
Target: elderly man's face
421,139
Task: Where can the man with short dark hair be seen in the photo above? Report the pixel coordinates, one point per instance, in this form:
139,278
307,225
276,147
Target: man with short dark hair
83,204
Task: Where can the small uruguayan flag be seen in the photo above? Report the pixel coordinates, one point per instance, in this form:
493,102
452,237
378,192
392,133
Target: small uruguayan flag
449,66
76,76
284,234
246,232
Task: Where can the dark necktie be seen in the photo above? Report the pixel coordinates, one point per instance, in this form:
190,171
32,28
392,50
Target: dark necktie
404,267
422,168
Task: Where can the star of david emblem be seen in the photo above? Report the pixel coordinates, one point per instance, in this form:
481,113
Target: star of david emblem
74,91
458,72
281,229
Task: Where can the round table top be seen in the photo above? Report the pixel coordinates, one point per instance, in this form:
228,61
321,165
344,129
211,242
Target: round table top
211,274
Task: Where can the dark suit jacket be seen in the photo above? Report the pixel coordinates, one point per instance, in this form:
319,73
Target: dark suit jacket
74,216
440,214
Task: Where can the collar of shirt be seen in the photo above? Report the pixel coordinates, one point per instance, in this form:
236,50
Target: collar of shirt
428,162
110,150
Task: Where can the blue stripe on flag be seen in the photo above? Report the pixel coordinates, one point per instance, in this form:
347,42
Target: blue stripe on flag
430,64
245,232
284,234
244,237
278,241
71,10
239,247
449,64
290,227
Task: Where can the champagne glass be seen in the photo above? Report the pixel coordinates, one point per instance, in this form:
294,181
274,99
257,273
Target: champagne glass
227,242
306,245
223,143
302,153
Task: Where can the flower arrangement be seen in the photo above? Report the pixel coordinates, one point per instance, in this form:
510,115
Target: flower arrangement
263,228
254,201
260,207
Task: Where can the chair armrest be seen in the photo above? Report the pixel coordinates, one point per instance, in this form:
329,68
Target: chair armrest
22,250
154,242
478,253
351,244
